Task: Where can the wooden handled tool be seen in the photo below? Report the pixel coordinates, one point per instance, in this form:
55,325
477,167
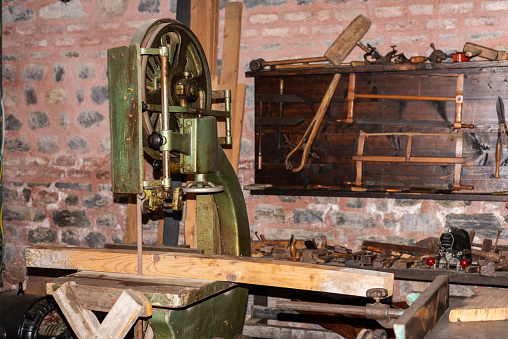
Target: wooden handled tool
471,50
333,54
339,51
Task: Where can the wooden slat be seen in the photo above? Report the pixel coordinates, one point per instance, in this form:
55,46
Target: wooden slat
123,315
231,62
487,304
424,313
205,25
130,225
237,126
215,267
83,322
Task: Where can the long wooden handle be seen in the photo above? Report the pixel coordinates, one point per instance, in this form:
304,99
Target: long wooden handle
318,119
499,148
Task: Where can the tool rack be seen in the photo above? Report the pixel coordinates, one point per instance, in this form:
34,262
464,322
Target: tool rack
399,102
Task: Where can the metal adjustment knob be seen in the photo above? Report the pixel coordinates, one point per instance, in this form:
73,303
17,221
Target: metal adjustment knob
157,165
155,140
377,293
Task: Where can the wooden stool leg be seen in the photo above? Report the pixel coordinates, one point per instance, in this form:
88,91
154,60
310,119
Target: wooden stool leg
83,322
117,322
122,316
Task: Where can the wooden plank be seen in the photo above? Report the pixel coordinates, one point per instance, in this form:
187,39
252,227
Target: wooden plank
487,304
123,315
83,322
215,267
205,25
130,224
231,62
191,238
161,291
424,313
380,247
237,126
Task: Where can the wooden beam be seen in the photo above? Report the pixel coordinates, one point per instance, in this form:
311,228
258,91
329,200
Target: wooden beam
488,304
424,313
205,25
237,126
230,68
214,267
83,322
130,221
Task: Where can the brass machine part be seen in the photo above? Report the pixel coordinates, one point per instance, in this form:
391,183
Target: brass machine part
339,51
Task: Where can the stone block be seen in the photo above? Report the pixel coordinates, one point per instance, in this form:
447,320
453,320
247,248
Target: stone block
57,95
100,95
107,220
71,237
47,144
255,3
97,200
32,72
23,213
17,14
8,72
90,118
307,216
95,240
70,218
42,235
63,10
422,223
12,123
484,224
353,220
73,186
30,95
149,6
38,120
18,144
72,200
78,144
270,213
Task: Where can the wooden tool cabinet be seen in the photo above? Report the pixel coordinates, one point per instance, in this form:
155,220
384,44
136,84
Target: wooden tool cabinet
427,129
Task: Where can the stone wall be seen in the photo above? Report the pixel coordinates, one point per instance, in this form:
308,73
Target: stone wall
56,166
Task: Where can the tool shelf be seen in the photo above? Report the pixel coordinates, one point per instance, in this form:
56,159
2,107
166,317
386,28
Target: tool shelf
394,100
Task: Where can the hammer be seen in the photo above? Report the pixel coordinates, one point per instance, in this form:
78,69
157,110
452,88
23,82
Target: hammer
333,54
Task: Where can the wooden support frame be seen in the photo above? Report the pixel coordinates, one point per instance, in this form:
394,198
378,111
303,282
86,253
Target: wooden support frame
245,270
458,99
457,161
424,313
120,318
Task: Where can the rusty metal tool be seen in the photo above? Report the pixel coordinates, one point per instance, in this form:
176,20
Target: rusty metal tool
339,51
437,55
497,239
501,135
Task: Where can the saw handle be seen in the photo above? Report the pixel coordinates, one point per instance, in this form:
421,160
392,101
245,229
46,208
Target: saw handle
311,132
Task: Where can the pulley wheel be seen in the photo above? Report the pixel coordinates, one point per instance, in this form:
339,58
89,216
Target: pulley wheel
186,56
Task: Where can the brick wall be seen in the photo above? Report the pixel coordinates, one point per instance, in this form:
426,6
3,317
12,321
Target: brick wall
56,161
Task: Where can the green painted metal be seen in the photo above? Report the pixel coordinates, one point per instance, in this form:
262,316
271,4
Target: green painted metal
223,226
202,157
207,319
125,119
231,209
